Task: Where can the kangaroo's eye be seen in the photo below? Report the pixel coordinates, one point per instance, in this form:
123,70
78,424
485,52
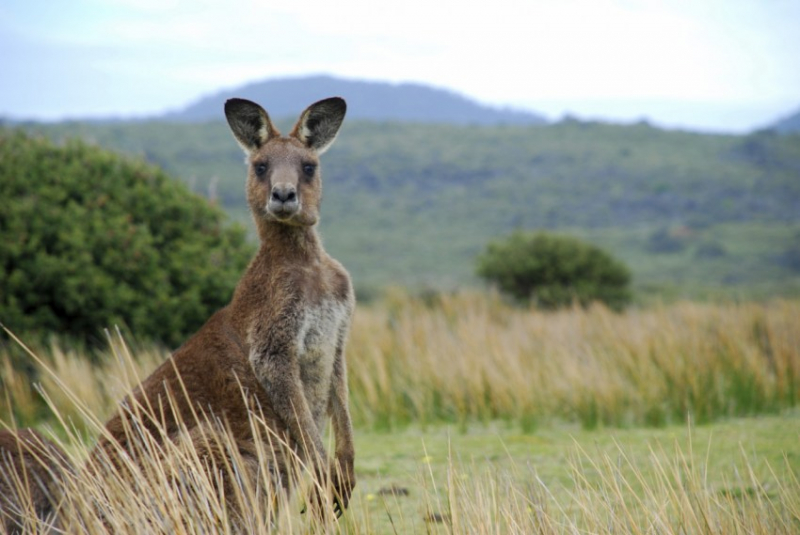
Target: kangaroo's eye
309,169
260,169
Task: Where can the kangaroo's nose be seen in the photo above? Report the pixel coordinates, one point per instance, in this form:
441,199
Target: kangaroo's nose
284,193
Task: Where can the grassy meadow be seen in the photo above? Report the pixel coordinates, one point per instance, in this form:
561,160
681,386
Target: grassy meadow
473,416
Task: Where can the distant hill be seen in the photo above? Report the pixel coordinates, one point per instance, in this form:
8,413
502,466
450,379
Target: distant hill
788,124
405,203
376,101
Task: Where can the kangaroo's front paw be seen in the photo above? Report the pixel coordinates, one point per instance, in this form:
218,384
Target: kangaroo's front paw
343,480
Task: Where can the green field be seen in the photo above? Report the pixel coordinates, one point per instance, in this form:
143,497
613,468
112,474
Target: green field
745,262
565,479
747,266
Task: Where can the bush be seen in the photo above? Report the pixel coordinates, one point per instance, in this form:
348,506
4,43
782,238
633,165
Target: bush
710,249
790,258
92,240
554,271
662,241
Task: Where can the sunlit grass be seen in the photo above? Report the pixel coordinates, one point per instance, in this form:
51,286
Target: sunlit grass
734,477
469,357
476,417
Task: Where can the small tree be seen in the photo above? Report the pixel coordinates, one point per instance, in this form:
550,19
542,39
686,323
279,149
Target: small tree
790,257
92,239
554,271
662,241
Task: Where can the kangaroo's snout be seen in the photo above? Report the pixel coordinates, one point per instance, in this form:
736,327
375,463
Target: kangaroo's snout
284,193
283,201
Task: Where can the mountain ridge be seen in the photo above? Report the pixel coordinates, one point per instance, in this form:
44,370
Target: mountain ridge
367,100
789,124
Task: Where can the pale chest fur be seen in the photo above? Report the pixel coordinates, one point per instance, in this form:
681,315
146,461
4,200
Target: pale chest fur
322,328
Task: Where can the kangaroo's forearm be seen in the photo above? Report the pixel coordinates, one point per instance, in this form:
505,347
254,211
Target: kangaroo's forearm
339,410
281,381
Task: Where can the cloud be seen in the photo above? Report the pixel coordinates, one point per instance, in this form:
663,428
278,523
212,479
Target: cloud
156,54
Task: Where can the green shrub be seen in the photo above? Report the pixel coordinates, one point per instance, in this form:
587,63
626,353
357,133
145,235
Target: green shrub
790,258
554,271
92,240
662,241
710,249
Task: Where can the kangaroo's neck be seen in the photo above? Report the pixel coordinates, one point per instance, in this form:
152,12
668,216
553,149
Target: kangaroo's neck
286,251
282,243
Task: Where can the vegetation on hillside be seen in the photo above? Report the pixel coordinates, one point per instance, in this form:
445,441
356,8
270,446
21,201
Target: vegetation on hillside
92,240
415,204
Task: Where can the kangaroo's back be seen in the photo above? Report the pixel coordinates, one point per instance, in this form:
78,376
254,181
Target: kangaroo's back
31,471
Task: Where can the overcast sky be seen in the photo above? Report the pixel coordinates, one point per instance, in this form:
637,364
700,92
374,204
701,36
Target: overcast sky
720,65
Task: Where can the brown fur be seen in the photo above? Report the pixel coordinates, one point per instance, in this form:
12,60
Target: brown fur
31,468
281,339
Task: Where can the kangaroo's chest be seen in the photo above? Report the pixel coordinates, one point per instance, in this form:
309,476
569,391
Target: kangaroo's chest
321,328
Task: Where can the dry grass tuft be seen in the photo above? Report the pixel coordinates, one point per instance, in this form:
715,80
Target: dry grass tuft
471,357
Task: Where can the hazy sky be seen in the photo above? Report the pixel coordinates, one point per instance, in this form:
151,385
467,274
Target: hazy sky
727,65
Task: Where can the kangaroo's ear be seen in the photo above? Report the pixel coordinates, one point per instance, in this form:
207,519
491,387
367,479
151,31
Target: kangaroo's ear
249,123
319,124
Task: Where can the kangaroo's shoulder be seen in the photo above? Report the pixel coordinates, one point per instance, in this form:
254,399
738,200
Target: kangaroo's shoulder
339,284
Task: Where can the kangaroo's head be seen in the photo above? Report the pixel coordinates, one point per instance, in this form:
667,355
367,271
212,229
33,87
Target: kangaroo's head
284,183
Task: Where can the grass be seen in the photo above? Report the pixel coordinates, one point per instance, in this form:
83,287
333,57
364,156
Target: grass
476,417
466,357
738,476
565,479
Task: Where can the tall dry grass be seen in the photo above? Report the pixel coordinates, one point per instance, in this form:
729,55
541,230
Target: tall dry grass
469,356
72,379
174,490
460,358
196,480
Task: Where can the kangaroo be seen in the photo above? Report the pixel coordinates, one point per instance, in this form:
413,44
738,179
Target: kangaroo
281,340
282,337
